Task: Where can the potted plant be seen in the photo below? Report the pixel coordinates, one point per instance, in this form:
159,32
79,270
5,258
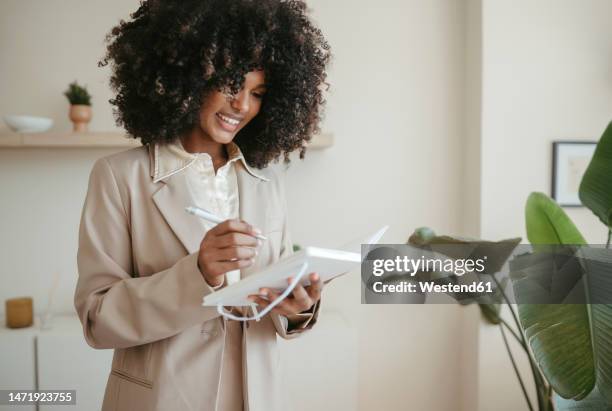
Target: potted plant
581,332
80,106
567,344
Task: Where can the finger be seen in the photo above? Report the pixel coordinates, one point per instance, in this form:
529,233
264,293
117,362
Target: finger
234,225
235,253
316,286
263,303
287,304
301,297
250,296
235,239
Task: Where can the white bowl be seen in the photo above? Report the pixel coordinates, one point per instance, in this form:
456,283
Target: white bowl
28,124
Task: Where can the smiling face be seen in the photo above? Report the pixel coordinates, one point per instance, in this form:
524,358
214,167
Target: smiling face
222,117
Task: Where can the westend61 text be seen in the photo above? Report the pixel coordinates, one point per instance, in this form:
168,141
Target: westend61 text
431,287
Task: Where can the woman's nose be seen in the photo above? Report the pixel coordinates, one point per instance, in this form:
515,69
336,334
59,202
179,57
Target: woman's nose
241,102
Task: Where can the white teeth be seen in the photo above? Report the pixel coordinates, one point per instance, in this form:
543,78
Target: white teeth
228,120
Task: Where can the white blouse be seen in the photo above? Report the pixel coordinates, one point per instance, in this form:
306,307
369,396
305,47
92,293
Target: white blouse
217,193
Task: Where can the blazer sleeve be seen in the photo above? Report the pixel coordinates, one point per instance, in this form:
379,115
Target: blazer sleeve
304,321
117,309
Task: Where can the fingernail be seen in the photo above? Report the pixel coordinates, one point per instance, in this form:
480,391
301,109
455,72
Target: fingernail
256,230
315,277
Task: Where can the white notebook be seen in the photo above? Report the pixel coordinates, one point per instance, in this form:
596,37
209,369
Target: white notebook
327,262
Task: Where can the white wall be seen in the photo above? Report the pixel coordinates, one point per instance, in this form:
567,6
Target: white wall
471,186
546,71
44,47
546,76
396,110
472,173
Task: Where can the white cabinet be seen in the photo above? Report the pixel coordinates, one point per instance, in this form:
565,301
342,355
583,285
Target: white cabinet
57,358
17,362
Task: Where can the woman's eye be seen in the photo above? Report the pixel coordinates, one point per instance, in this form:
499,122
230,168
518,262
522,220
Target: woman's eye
258,95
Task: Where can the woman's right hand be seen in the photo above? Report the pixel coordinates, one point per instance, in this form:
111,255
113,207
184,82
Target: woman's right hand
228,246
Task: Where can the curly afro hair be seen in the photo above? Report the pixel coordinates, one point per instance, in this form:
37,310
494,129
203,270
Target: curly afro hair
171,54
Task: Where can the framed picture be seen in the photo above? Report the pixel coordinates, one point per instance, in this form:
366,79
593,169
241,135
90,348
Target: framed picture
570,161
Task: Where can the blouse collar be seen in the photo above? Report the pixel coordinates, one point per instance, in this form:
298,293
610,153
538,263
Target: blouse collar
171,158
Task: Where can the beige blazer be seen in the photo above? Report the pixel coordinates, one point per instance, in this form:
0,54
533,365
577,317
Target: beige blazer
139,290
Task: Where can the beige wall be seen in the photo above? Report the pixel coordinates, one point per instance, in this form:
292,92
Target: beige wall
546,76
546,71
471,186
45,46
396,110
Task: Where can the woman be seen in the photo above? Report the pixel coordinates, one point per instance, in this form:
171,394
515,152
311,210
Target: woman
215,90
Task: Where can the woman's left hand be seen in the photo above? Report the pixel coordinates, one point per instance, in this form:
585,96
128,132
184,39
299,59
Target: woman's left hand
301,299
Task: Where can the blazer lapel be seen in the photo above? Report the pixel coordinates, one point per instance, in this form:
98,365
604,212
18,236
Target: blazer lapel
249,193
171,200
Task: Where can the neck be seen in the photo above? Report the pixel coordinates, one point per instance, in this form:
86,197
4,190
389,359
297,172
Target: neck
197,142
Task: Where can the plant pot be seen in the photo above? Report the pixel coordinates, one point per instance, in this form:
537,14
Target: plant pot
80,115
19,312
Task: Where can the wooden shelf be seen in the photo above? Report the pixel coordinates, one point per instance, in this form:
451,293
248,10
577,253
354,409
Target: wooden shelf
321,141
100,140
66,140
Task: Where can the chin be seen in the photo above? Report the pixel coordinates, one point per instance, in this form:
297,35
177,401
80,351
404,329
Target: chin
219,135
223,138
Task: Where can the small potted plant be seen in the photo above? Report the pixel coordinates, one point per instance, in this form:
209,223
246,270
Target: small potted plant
80,106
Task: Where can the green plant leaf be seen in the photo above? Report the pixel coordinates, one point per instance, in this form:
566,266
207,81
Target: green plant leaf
496,252
547,223
593,402
598,265
491,304
559,334
559,337
490,312
596,186
77,94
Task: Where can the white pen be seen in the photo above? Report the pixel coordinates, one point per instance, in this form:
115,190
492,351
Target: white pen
208,216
